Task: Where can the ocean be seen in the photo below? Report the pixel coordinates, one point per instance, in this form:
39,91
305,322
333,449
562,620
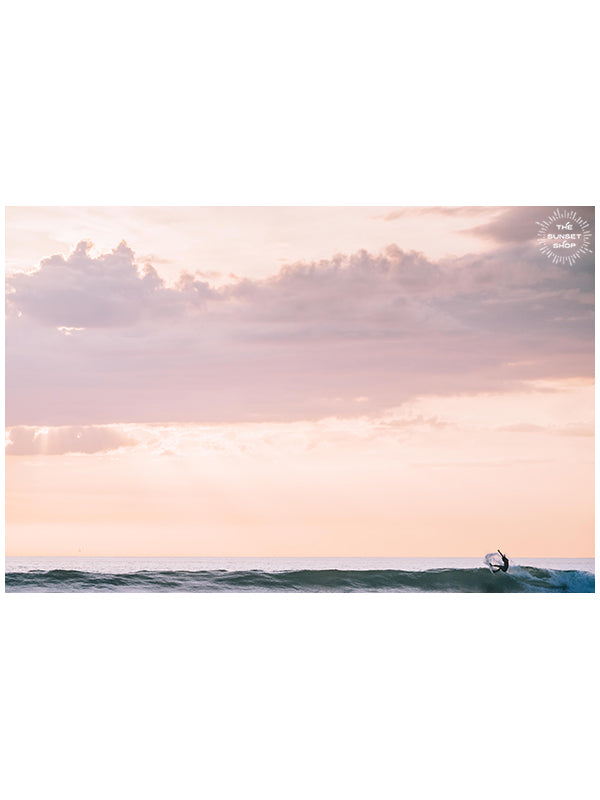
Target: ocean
108,574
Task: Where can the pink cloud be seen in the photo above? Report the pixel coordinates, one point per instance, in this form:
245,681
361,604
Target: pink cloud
445,211
26,441
101,340
518,224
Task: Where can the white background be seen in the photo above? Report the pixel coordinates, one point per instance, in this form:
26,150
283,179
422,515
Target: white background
306,103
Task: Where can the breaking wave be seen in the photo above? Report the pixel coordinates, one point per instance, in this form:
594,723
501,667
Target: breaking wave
481,580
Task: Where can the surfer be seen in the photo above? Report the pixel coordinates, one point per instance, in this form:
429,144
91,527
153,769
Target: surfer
504,567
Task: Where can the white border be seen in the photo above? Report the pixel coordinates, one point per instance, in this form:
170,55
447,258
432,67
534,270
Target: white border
339,696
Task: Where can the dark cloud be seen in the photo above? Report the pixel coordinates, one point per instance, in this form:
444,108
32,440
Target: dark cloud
519,224
96,341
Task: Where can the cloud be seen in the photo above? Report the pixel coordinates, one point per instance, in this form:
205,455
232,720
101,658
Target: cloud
102,340
81,291
571,429
519,224
26,441
445,211
418,421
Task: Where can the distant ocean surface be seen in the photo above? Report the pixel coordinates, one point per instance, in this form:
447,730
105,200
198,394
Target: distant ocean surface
296,575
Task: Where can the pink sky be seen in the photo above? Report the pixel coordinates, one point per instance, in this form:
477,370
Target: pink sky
272,381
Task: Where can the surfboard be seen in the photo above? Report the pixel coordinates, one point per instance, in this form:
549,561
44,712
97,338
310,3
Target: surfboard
493,561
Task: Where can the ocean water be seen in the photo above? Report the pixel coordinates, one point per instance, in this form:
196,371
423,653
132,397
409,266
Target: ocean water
296,575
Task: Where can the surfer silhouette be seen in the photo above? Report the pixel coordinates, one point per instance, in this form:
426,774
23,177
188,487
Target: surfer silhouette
504,567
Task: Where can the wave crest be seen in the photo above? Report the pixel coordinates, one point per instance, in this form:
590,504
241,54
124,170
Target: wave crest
481,580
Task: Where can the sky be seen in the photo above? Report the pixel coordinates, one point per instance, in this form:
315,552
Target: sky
296,382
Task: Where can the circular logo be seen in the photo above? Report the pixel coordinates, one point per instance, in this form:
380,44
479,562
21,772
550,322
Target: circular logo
564,236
